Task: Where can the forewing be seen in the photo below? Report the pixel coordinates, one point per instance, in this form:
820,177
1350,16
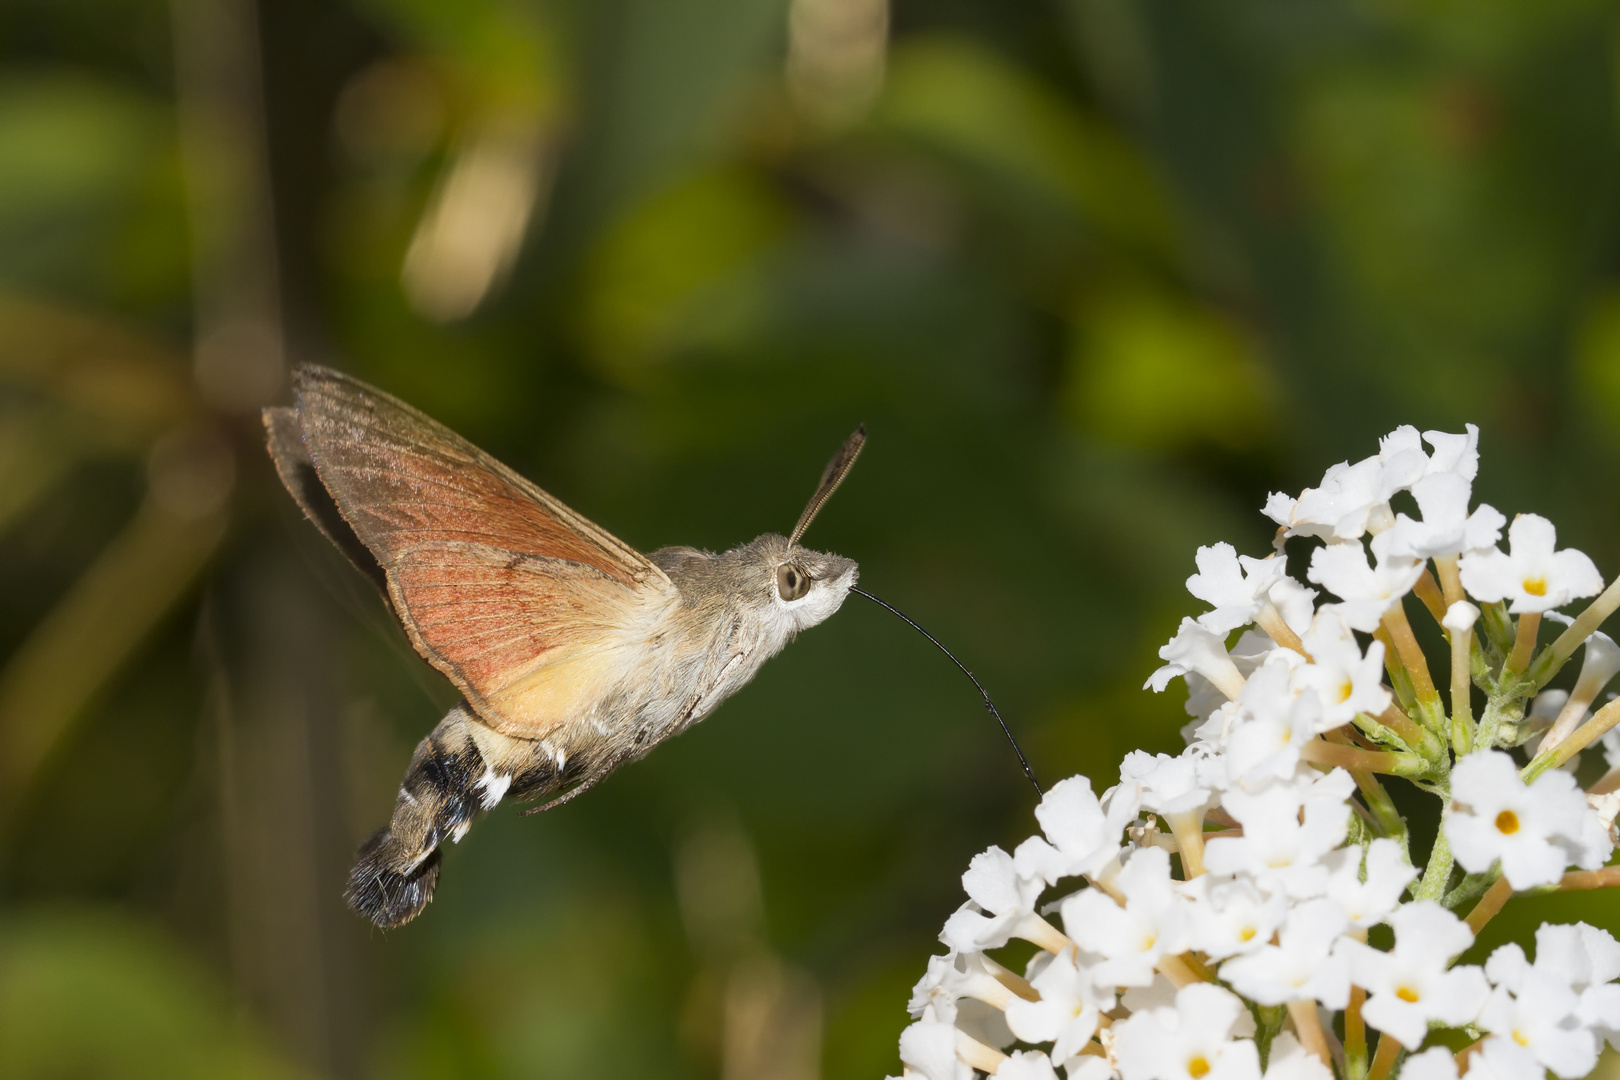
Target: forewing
402,479
500,586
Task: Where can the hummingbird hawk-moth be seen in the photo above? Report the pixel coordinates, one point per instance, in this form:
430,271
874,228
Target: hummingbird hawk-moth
573,652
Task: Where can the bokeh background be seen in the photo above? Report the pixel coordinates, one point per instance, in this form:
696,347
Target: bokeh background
1097,275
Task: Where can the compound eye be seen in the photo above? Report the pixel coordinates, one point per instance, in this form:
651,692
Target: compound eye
791,582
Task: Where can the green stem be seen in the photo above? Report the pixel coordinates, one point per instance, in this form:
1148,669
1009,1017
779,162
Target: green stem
1437,875
1470,888
1498,626
1498,709
1399,631
1381,806
1394,762
1399,680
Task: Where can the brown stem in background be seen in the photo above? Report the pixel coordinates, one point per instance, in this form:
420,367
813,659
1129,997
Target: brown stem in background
1450,579
1524,642
1406,646
1495,897
1384,1059
1401,724
1320,752
1308,1026
1575,880
1271,621
1428,591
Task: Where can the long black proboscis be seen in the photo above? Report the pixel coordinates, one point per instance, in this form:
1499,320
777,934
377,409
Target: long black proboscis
988,704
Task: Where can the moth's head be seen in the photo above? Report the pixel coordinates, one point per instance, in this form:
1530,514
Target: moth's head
810,585
805,586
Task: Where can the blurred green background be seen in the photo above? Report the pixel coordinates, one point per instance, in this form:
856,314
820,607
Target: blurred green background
1097,274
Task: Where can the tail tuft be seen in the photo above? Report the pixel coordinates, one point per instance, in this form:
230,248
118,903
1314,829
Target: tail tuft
389,885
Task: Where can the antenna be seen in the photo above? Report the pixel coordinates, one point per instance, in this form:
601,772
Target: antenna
831,477
988,704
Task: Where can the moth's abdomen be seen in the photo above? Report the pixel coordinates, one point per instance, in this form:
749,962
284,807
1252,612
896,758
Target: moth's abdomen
446,785
463,767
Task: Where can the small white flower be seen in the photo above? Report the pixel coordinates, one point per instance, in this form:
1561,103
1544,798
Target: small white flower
1000,899
1585,955
1192,1041
1278,849
1302,965
1271,724
1345,680
1132,937
1365,593
1236,586
1026,1065
929,1047
1409,986
1541,1019
1354,498
1442,496
1253,650
1082,832
1454,453
1443,501
954,976
1070,1006
1295,602
1172,785
1435,1063
1584,958
1504,1059
1196,649
937,989
1368,903
1291,1061
1533,575
1089,1067
1231,915
1535,831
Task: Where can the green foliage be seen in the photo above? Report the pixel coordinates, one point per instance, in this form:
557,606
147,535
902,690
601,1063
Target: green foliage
91,994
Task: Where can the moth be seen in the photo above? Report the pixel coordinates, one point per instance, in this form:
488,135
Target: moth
574,653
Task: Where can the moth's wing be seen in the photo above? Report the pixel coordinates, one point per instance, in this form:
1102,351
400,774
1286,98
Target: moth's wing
513,596
402,479
532,641
297,472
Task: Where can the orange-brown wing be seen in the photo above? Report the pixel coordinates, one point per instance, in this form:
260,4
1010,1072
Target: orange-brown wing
503,588
532,641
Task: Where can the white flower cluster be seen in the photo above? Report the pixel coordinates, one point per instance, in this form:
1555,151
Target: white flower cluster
1216,906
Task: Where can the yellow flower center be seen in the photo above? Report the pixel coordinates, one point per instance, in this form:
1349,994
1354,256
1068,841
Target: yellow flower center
1345,690
1520,1037
1198,1067
1535,586
1507,823
1407,994
1246,934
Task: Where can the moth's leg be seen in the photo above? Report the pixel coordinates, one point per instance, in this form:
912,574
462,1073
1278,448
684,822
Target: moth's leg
595,777
447,783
